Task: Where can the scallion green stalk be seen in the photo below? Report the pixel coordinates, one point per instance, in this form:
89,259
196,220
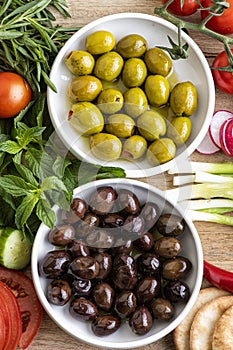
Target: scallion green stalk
209,217
214,168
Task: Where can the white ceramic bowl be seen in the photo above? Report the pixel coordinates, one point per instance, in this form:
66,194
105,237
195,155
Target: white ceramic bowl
156,30
124,338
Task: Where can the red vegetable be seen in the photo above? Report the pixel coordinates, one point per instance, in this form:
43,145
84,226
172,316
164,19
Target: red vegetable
226,137
189,7
220,278
12,318
223,23
30,307
217,121
15,94
223,80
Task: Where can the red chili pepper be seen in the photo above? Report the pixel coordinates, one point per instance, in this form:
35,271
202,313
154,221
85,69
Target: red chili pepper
218,277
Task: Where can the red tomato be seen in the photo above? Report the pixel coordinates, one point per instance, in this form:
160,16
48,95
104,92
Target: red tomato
221,24
223,80
12,317
2,330
189,7
15,94
30,307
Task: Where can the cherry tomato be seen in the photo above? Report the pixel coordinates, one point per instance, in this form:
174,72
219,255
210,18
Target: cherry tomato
12,317
222,24
30,307
223,80
15,94
189,7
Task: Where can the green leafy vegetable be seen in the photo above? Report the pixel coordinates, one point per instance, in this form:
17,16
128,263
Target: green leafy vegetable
36,171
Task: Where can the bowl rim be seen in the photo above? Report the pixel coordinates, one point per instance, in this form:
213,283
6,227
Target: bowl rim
140,341
153,170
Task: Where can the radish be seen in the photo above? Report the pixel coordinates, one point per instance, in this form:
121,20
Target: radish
207,146
226,137
218,119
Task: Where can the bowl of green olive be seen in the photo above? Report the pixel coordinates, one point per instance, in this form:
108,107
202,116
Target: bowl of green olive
121,268
122,100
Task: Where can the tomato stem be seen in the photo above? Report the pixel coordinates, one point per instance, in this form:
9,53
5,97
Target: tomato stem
217,9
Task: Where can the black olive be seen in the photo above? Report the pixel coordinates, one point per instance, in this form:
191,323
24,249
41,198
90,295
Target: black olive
145,243
125,303
103,295
124,272
168,247
61,235
176,291
83,309
105,325
85,226
148,264
105,264
125,247
81,287
77,211
134,224
113,220
102,200
128,202
58,292
100,239
85,267
141,320
55,263
150,213
170,225
78,248
162,309
176,268
147,289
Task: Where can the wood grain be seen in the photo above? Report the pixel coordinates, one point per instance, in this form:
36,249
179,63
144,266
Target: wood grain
216,239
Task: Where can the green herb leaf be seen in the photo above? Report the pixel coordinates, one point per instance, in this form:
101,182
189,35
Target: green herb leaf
45,213
16,186
10,146
25,209
23,171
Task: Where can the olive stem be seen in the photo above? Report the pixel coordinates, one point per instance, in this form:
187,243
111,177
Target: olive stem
200,27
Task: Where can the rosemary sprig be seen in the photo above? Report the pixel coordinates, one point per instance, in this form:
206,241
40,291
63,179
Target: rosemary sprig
29,41
215,10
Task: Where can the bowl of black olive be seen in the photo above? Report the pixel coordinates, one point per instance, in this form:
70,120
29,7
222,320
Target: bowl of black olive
121,268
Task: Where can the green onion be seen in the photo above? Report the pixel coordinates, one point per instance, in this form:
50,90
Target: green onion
206,191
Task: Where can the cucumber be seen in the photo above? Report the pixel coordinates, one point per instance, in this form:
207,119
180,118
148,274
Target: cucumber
15,248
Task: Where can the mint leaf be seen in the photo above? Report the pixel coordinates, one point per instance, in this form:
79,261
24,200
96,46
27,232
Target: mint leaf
53,183
23,171
10,146
39,162
16,186
60,165
25,135
25,209
45,213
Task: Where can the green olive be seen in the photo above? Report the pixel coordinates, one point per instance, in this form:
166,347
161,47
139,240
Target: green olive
134,72
105,146
157,90
161,151
86,118
183,99
120,125
134,147
100,42
179,130
132,45
158,62
110,101
151,125
80,62
84,88
135,102
108,66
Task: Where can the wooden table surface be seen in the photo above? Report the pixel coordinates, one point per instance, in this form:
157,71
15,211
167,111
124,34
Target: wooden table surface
216,239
